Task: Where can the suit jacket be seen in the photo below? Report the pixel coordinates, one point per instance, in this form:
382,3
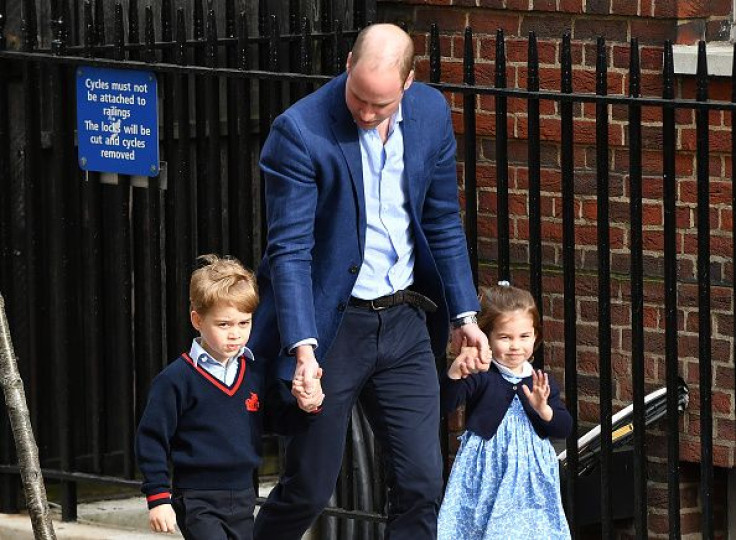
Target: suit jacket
316,217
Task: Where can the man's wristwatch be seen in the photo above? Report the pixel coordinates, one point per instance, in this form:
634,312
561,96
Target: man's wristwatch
462,321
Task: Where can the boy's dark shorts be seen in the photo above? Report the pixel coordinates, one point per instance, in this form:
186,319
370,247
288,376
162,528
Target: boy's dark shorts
216,514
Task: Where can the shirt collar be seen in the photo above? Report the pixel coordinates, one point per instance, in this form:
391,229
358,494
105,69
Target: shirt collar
526,370
397,117
200,356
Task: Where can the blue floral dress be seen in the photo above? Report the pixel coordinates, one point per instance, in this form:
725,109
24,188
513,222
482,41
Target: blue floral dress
506,487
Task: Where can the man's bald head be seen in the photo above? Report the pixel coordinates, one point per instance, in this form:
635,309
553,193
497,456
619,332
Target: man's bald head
384,46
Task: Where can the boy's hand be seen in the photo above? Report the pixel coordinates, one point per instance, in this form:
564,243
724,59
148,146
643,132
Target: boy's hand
469,361
309,397
538,395
162,519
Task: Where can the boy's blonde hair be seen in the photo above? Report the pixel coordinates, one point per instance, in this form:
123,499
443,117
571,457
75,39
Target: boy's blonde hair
501,300
222,280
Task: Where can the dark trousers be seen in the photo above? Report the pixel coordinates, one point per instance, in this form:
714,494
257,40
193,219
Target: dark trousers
387,355
220,514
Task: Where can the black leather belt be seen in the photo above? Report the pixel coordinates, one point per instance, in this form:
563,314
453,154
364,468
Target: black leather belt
412,298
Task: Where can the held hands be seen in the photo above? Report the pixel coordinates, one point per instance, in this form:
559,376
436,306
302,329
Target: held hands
470,335
306,386
469,361
162,519
538,395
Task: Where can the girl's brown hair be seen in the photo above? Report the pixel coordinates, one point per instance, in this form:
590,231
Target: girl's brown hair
222,280
502,300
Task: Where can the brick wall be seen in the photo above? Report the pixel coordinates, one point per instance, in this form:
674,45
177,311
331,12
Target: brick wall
652,22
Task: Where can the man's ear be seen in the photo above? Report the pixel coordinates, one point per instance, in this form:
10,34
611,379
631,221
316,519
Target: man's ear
409,80
348,61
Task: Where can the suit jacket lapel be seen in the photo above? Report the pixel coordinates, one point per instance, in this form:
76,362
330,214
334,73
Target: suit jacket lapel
412,156
346,135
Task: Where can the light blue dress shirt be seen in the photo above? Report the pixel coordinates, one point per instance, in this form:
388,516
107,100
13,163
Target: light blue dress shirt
223,372
388,260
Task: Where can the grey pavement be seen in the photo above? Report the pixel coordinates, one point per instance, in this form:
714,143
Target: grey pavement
124,519
102,520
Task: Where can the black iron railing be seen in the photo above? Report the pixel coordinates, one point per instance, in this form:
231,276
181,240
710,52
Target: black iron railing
95,268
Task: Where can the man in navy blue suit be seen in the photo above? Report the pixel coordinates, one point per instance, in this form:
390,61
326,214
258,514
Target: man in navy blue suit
365,269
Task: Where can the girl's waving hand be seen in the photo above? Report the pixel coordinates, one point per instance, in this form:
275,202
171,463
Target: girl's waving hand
538,395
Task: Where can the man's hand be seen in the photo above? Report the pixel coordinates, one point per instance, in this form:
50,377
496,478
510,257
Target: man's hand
162,519
306,386
470,335
467,363
311,401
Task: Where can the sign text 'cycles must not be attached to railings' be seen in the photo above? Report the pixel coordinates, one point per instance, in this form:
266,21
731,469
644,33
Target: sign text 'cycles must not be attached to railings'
117,121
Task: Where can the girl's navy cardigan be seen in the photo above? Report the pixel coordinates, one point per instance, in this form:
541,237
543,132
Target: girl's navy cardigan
488,396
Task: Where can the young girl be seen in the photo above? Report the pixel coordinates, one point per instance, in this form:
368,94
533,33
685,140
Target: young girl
505,481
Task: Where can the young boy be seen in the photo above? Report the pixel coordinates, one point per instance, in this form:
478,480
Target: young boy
204,415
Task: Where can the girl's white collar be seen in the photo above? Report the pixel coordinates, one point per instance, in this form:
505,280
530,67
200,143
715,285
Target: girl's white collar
526,370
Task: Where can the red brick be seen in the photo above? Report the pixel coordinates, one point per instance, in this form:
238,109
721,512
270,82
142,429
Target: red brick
702,8
544,5
546,26
489,21
429,2
665,8
598,6
722,403
611,30
719,30
653,32
449,20
726,429
571,6
589,411
625,7
690,32
651,58
517,50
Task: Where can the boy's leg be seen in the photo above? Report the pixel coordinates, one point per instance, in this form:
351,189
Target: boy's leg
239,520
402,402
200,514
314,453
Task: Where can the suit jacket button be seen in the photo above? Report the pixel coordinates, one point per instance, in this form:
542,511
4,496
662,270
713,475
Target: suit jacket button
354,269
341,306
514,388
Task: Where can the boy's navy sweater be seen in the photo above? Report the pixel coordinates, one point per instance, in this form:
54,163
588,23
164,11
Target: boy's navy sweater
211,432
488,396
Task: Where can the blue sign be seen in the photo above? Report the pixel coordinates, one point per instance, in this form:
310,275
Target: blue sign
117,121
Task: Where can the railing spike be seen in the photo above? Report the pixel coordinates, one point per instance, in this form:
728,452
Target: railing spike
533,64
211,31
243,57
150,37
435,55
118,34
468,57
180,50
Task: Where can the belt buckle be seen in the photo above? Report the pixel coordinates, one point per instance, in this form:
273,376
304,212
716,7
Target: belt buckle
374,307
